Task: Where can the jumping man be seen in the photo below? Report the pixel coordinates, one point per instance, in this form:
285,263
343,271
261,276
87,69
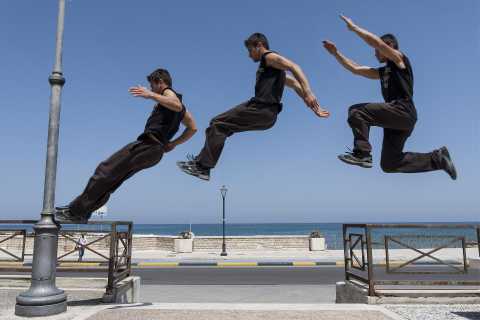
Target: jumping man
143,153
397,115
258,113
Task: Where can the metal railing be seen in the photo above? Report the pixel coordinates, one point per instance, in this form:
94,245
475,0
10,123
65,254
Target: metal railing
117,239
360,239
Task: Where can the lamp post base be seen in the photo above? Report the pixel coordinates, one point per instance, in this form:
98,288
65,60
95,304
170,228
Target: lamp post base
40,311
223,254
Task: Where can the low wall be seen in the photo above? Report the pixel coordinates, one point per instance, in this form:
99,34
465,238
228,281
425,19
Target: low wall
158,242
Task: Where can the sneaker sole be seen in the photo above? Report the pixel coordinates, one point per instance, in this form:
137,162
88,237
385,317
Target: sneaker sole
187,171
356,163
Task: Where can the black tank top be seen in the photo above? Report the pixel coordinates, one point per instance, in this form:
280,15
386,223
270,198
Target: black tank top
270,83
397,84
163,123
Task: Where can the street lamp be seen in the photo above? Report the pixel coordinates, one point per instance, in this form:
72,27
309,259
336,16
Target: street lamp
44,298
223,190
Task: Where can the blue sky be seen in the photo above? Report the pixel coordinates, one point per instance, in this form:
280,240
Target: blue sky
287,174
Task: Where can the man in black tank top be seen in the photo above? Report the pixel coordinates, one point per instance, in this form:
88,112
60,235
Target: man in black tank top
397,115
258,113
143,153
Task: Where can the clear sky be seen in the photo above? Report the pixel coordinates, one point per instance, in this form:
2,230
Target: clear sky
287,174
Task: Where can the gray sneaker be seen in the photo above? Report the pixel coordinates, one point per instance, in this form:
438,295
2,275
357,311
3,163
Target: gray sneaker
446,162
193,168
63,215
354,158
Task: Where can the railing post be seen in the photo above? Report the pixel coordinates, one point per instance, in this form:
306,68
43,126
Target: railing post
478,240
129,249
345,251
113,258
24,234
371,282
464,248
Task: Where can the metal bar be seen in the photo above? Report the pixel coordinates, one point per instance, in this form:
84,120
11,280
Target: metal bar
428,282
5,250
478,239
10,237
86,246
371,284
129,248
24,241
345,251
415,226
423,254
357,277
111,263
464,249
387,256
17,258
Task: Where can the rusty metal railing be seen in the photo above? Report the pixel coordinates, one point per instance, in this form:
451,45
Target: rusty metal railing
117,239
10,234
358,240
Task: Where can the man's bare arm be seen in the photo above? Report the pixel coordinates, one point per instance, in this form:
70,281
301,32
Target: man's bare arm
350,65
169,99
374,41
292,83
277,61
190,130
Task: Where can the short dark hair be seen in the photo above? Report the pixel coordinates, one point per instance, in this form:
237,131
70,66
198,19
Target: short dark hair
160,74
391,40
257,38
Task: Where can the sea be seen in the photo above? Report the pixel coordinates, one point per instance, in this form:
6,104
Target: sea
418,238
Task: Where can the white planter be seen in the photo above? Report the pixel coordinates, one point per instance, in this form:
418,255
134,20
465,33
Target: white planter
317,244
183,245
474,263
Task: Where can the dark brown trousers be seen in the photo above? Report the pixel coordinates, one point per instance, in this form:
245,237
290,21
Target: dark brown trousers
398,121
248,116
111,173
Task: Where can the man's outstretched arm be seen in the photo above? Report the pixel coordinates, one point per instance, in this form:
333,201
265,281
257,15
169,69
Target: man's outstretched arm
169,99
374,41
350,65
190,130
277,61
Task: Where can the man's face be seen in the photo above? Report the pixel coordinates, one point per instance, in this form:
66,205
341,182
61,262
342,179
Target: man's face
254,53
380,57
157,86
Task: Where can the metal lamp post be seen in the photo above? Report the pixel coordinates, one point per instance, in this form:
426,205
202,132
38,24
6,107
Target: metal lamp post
44,298
223,190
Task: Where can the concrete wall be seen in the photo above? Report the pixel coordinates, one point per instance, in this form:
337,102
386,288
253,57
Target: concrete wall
152,242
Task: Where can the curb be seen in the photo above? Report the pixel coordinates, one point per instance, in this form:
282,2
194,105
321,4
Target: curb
85,266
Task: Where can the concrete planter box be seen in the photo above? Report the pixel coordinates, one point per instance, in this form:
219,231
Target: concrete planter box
183,245
317,244
474,263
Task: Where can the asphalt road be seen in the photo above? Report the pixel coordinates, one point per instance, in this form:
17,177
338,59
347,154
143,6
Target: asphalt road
327,275
242,276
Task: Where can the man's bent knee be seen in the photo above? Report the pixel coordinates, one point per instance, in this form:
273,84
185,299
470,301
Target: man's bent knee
388,167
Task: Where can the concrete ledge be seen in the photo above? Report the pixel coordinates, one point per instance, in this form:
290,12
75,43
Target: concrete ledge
350,292
474,263
125,291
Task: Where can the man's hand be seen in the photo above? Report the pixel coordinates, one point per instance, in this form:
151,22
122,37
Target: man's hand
169,147
351,26
330,47
312,103
139,91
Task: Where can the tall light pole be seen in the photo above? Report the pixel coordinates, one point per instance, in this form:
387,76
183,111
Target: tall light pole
44,298
223,191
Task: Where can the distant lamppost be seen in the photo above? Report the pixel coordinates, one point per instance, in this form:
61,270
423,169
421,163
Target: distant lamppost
44,298
223,190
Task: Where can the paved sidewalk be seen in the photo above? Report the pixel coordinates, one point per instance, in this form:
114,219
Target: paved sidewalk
214,311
